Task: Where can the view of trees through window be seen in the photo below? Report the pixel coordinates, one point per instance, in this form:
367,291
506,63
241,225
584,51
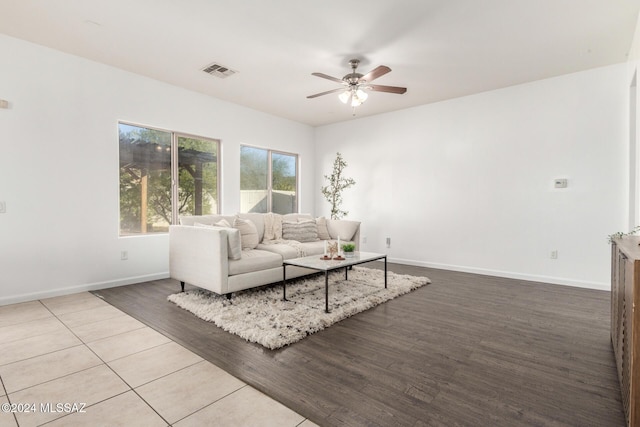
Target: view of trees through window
268,181
148,166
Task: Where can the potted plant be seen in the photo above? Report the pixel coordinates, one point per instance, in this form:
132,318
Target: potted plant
348,249
620,234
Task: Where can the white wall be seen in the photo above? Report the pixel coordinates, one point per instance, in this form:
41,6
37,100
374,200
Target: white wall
634,121
59,167
467,184
634,49
464,184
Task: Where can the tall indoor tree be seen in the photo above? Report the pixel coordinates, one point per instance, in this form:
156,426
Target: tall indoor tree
336,185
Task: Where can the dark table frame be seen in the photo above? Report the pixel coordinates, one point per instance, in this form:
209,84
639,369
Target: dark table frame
330,265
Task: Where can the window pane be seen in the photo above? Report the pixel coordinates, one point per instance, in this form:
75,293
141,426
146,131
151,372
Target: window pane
145,180
197,176
254,189
283,183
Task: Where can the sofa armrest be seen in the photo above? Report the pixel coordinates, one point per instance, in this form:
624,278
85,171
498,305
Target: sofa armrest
199,256
346,229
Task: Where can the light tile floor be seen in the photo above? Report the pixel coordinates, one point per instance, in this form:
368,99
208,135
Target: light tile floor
75,360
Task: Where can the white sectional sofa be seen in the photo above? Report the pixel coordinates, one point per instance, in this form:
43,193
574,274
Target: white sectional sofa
229,253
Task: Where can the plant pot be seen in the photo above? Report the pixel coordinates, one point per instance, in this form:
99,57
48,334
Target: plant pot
349,254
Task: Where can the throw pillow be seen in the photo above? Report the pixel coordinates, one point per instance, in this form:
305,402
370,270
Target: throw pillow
223,223
257,219
296,217
302,231
200,219
343,228
248,233
233,238
323,231
234,249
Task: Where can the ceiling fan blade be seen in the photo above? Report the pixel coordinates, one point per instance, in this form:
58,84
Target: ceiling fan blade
375,73
390,89
324,76
326,93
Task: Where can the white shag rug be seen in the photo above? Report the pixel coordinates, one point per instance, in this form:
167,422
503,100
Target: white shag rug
261,316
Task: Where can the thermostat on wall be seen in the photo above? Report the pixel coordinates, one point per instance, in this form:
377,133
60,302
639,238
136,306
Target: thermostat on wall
560,183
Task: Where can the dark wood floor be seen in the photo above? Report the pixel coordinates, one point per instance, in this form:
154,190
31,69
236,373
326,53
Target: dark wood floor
465,350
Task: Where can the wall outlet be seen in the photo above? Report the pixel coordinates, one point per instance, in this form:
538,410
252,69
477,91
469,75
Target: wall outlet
364,239
124,255
388,242
553,255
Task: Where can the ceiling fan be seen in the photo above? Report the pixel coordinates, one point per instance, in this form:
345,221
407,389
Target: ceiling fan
356,84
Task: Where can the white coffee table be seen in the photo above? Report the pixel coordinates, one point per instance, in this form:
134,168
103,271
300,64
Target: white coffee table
315,262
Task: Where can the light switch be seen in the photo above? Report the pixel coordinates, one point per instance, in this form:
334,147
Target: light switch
560,183
3,207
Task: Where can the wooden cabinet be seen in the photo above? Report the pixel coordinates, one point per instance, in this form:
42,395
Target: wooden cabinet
625,322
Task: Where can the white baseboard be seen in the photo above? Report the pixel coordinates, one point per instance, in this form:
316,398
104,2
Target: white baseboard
145,278
81,288
508,274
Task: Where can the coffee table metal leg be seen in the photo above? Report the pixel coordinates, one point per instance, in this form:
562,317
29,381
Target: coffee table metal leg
346,273
284,282
385,272
326,291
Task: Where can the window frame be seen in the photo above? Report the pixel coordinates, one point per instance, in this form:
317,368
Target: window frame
175,172
270,153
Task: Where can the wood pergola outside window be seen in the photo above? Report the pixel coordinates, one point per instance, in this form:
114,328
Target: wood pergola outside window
164,175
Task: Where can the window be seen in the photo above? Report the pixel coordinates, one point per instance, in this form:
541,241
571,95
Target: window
151,160
268,181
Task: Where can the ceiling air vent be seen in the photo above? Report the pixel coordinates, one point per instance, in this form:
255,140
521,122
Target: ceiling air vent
219,71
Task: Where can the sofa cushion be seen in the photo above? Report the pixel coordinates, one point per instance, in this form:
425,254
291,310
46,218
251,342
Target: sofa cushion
323,231
204,219
254,260
234,244
284,250
295,250
313,248
342,228
302,231
248,232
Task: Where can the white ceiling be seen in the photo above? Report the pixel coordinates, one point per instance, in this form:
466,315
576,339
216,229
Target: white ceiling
438,49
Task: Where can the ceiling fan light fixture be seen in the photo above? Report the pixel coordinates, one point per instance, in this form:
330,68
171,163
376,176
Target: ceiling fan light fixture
356,85
358,96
